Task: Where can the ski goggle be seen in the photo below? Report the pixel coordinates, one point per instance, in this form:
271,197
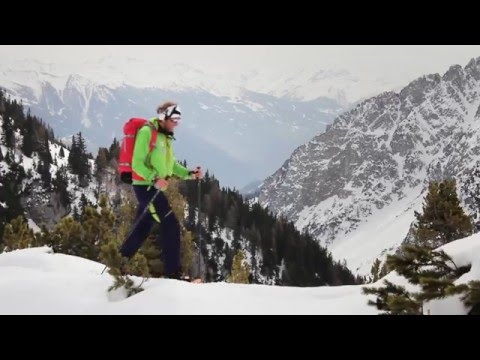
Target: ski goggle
173,113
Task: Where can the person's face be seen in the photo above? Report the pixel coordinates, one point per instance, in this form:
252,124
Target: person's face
171,124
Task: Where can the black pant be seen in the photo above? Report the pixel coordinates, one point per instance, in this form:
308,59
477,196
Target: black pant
168,240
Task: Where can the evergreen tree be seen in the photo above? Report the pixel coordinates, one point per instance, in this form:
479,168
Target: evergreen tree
374,270
66,237
73,156
78,159
97,229
9,157
42,238
76,214
1,155
83,165
60,185
151,251
84,203
18,235
434,271
61,153
138,266
377,271
44,171
232,217
443,219
44,152
101,162
383,271
28,137
11,193
92,235
2,102
15,111
240,269
114,150
8,133
472,297
112,258
117,199
394,300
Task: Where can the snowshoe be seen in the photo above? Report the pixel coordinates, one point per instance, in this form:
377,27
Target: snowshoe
182,277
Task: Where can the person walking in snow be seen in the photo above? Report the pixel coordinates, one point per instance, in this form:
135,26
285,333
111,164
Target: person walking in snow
151,171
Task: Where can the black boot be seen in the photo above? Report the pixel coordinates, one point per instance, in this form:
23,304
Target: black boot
178,276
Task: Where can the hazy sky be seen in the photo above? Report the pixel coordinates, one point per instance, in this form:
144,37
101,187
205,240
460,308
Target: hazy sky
378,60
279,69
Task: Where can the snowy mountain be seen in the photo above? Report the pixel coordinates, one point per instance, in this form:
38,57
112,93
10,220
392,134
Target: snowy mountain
307,83
240,135
251,188
40,274
356,186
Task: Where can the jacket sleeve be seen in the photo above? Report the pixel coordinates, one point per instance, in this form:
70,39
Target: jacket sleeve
181,171
140,153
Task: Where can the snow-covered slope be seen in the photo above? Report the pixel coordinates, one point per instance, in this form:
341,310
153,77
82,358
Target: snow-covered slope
356,186
37,281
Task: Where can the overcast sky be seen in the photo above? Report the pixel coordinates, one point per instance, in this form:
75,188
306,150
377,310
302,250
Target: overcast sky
396,64
381,59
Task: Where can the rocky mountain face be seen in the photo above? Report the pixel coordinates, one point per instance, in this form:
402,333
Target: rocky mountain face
356,185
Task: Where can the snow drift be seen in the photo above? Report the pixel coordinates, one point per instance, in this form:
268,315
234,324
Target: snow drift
38,281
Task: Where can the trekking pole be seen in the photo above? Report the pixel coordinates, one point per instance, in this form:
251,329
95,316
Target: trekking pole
138,221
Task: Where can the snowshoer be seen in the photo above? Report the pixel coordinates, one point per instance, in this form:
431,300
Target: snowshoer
150,173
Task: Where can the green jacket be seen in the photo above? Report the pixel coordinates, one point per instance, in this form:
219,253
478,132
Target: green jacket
160,162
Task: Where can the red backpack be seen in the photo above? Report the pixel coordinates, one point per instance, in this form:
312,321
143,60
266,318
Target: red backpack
130,130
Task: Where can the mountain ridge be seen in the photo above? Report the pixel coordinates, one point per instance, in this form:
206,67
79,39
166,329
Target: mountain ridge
381,153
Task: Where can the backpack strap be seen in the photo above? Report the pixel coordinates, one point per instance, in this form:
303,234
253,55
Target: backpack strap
153,139
152,144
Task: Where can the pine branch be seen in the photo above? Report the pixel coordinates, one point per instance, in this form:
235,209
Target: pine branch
472,296
394,299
